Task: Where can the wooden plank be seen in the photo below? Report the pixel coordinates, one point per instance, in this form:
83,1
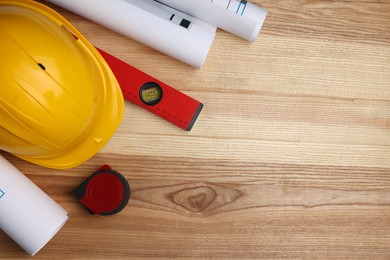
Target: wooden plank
290,157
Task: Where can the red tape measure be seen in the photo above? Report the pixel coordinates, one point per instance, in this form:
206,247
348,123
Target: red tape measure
154,95
105,192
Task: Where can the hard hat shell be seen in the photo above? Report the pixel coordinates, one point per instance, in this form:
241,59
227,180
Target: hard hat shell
59,101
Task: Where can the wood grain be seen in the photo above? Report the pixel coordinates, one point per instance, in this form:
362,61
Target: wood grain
290,157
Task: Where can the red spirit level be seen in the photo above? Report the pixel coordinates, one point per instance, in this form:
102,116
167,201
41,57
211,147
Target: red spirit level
154,95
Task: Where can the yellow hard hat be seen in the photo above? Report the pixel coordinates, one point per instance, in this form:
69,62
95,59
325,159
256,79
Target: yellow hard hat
59,101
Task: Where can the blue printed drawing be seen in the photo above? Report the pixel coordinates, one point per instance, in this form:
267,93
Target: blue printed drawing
241,7
1,193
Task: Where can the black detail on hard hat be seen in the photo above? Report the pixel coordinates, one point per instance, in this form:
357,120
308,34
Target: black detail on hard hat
41,66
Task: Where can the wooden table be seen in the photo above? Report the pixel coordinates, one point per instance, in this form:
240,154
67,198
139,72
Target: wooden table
290,157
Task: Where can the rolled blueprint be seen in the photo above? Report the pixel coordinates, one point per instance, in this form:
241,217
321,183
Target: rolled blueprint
239,17
29,216
151,23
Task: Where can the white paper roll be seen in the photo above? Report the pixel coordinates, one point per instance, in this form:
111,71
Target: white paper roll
239,17
153,24
27,214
